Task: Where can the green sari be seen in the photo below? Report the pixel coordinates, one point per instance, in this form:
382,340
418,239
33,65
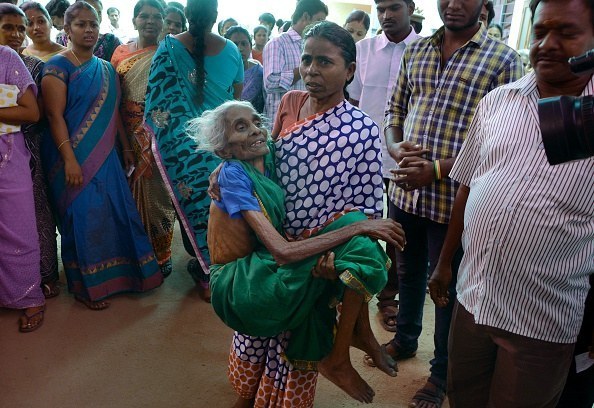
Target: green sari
256,296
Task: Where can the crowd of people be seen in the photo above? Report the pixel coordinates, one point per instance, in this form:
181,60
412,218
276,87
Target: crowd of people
274,151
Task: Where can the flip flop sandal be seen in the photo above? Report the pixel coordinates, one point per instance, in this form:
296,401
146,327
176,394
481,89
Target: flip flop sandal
368,361
166,268
389,313
433,396
28,327
49,292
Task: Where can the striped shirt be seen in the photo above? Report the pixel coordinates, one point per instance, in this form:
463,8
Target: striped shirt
434,106
281,56
528,226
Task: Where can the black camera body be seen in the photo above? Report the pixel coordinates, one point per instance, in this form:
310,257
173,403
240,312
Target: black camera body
567,122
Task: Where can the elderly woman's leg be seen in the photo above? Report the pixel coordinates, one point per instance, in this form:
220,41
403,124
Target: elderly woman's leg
364,339
337,366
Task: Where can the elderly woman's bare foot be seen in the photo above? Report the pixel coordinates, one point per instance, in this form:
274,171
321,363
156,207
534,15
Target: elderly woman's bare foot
345,377
365,340
382,360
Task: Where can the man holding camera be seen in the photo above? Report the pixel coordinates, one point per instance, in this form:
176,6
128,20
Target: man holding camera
528,232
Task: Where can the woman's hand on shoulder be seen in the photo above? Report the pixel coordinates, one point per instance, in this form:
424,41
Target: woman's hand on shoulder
214,190
385,229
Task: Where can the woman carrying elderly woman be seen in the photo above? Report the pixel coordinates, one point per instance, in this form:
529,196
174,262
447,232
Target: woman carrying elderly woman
327,164
20,281
191,72
132,62
13,23
104,247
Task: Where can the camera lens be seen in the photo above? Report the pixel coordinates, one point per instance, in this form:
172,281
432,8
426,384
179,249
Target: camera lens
567,126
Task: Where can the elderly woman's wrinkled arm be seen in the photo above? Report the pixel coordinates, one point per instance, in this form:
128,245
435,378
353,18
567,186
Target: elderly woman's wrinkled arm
285,252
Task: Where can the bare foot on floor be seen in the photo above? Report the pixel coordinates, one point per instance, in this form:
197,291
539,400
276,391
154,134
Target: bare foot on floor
345,377
243,403
383,360
366,341
93,305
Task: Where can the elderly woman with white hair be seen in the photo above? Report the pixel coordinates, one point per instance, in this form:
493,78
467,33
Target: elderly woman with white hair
261,283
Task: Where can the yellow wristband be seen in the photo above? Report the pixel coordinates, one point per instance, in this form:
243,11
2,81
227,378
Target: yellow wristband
437,168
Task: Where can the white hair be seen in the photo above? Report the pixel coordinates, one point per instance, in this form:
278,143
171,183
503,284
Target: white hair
208,130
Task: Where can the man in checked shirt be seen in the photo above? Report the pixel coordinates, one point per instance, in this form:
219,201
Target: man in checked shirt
441,80
282,55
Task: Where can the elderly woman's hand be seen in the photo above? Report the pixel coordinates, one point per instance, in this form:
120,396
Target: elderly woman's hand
386,230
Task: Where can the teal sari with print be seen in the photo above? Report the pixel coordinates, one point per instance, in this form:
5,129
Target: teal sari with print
171,102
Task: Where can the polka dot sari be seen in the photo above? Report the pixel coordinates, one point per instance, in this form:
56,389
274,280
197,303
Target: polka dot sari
258,370
329,164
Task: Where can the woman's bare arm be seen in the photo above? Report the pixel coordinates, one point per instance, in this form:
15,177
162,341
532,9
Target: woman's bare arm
27,110
54,93
285,252
237,90
127,152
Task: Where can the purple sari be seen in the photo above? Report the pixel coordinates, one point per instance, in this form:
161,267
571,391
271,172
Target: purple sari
253,87
19,247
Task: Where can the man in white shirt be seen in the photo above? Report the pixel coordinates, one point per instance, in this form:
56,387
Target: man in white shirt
378,63
114,25
528,232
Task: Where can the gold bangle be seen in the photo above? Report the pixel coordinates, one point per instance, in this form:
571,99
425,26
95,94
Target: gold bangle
62,144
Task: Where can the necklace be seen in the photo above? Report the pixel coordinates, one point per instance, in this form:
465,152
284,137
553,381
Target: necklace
77,60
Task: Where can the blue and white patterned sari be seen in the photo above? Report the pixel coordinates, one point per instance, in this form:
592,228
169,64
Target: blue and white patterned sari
329,164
